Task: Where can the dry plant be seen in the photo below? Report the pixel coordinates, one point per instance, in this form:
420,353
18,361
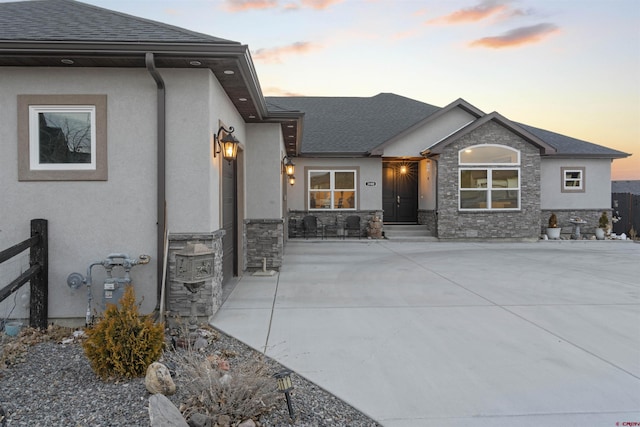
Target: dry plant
209,385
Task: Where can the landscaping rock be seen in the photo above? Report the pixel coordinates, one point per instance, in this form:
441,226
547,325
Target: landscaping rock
158,380
199,420
163,413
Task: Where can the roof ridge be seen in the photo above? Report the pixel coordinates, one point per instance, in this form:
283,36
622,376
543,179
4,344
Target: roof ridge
138,28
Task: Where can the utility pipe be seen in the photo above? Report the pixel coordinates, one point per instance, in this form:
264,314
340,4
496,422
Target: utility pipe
161,171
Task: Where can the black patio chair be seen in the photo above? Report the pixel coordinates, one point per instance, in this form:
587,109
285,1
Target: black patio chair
352,223
311,226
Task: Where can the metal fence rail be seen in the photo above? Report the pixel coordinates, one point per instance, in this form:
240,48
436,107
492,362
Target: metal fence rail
627,205
37,274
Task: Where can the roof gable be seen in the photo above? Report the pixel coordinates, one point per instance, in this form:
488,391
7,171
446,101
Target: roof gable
439,146
458,103
352,125
68,20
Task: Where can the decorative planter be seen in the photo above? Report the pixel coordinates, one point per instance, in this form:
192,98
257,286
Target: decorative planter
554,233
12,328
599,233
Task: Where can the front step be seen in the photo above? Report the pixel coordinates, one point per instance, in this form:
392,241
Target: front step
408,233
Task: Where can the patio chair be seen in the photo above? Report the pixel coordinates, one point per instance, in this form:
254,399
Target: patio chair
352,223
311,226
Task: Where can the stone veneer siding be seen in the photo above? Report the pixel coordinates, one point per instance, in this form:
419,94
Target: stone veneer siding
178,298
521,224
263,238
428,218
331,219
565,215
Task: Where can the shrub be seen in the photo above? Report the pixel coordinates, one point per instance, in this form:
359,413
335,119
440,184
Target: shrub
122,343
603,222
553,221
207,384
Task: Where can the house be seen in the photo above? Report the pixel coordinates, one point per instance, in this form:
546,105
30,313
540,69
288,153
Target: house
110,130
460,172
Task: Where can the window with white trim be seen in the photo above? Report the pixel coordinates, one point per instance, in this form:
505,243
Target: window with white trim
62,137
572,179
332,189
495,186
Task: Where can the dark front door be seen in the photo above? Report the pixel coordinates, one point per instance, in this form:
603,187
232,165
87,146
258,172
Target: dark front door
400,191
229,221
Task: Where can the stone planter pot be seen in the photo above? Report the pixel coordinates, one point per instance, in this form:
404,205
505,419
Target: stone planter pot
554,233
599,233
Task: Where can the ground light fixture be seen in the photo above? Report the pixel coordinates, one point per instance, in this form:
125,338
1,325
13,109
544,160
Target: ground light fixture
285,386
227,144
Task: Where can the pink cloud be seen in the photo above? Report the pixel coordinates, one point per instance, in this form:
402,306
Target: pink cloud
276,91
241,5
483,10
320,4
274,55
517,37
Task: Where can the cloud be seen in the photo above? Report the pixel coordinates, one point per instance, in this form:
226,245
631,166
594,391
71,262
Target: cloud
241,5
320,4
518,36
274,55
483,10
276,91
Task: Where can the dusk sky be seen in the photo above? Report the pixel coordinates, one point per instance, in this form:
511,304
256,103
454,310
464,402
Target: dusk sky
569,66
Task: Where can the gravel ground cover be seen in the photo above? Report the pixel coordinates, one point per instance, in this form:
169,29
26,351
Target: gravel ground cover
47,383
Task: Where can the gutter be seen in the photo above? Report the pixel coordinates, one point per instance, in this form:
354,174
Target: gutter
161,169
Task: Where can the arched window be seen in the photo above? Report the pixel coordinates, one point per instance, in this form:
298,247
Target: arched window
489,178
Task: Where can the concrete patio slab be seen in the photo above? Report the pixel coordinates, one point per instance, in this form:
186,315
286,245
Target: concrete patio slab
452,334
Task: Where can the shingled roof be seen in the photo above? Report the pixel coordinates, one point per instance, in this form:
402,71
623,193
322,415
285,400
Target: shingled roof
68,20
356,126
352,125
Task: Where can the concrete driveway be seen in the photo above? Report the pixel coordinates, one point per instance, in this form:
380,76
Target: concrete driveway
455,334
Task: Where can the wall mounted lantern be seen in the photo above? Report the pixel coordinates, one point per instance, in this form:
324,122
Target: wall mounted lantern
289,169
227,144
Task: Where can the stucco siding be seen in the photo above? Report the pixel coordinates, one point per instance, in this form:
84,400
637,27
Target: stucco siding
597,184
422,137
370,171
87,219
264,171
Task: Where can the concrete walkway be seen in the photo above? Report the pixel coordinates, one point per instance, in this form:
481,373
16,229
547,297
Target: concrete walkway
455,334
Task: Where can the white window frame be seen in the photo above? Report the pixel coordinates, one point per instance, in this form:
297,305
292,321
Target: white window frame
516,163
34,136
332,190
488,189
581,179
29,166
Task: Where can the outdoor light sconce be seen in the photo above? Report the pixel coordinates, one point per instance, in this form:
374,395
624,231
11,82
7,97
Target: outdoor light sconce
285,386
227,144
289,169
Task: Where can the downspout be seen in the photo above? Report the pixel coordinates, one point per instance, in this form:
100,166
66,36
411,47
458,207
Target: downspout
161,168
